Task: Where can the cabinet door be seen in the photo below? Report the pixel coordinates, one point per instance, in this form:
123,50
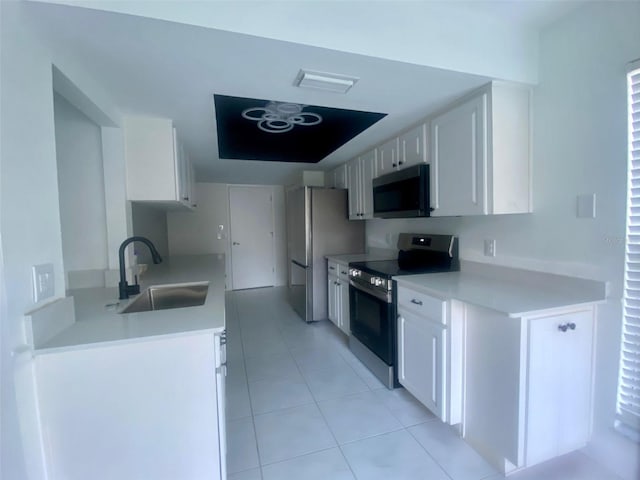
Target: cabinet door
459,160
421,360
367,167
180,170
333,299
387,158
559,390
354,189
413,147
340,177
192,186
345,324
220,342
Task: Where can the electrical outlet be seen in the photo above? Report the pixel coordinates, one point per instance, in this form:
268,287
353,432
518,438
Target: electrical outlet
490,248
43,282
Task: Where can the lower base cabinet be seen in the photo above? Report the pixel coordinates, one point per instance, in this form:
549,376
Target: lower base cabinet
421,365
149,408
528,389
430,352
338,296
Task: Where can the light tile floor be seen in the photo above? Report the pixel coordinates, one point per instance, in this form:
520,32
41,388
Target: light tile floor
301,406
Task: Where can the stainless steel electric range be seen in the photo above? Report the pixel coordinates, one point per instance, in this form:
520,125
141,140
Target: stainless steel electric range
372,297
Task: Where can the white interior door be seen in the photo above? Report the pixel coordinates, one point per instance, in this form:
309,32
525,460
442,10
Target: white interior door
252,256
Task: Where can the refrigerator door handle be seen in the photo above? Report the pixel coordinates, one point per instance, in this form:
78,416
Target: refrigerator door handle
299,264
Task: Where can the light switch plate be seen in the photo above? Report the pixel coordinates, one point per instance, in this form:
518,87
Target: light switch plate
586,205
43,282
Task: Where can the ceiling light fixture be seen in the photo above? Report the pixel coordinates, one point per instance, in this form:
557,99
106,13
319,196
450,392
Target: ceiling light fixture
280,117
330,82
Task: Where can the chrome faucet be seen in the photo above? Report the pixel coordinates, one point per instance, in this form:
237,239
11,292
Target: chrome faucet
124,288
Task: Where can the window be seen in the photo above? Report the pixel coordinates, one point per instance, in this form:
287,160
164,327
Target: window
628,410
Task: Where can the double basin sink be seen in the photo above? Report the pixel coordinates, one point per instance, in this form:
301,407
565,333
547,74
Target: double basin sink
163,297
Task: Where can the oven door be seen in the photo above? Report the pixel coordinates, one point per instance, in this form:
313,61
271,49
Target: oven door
372,323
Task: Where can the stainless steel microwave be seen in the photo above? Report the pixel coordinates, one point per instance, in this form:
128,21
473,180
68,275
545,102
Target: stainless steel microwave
402,194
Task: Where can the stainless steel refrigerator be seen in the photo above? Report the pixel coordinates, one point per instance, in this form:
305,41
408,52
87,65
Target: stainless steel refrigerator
317,225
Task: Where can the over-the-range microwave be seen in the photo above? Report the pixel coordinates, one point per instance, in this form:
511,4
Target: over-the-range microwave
402,194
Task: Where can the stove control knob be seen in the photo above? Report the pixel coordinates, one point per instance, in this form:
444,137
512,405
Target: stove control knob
379,281
354,272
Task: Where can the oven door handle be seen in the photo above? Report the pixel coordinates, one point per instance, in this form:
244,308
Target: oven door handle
385,297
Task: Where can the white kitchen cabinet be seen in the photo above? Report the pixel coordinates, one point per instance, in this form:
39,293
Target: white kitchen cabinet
340,178
146,408
528,390
421,360
559,385
430,352
480,153
403,151
413,147
158,167
387,157
360,172
338,295
333,297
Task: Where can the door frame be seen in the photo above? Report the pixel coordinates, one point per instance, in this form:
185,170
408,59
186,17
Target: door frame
229,237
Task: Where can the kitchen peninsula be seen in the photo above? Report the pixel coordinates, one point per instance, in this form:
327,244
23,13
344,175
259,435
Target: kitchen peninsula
137,395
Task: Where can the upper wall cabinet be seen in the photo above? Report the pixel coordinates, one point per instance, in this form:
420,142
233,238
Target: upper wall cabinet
340,177
360,172
158,166
480,153
403,151
387,157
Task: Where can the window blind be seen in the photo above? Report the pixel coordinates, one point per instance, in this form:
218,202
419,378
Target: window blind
628,411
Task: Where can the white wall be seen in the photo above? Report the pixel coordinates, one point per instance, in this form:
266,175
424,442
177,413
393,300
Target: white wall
29,208
579,147
197,232
450,35
81,189
150,222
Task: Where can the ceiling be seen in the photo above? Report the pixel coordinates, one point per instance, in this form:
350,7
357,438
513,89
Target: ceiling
173,70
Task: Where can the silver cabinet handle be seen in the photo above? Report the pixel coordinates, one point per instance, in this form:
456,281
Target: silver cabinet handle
332,268
343,272
416,302
235,243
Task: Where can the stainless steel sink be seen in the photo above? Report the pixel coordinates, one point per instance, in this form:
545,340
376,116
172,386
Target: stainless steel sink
163,297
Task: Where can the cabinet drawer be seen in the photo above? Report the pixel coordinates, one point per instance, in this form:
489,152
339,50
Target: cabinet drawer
422,304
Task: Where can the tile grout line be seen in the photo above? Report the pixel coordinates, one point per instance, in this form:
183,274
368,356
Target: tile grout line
253,421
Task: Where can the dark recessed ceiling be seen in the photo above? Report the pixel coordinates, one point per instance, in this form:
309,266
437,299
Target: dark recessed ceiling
240,138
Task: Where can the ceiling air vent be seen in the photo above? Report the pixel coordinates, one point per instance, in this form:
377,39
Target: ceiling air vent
329,82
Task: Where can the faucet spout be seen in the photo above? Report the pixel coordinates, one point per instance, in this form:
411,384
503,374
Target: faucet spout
124,288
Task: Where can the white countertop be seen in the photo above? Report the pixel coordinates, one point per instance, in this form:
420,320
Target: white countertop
98,320
533,293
